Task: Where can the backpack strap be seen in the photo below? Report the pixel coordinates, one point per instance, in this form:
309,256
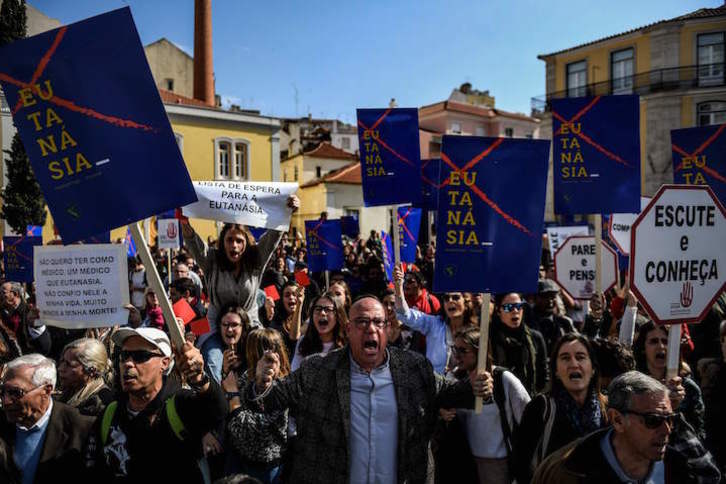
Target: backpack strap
106,420
550,412
175,422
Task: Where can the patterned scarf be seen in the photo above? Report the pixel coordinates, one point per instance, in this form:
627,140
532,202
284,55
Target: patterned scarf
585,419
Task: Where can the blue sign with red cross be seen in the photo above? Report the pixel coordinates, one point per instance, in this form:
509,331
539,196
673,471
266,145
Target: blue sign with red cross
409,223
18,257
490,214
92,122
430,184
388,256
389,156
699,157
325,245
596,154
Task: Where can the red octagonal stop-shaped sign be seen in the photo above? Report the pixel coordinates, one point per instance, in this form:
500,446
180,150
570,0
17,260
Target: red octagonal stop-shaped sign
678,253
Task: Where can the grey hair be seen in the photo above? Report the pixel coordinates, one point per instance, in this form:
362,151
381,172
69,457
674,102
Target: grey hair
43,368
16,288
622,389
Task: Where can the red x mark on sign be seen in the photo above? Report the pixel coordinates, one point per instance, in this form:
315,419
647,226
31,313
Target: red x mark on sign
713,173
402,223
314,233
378,139
13,248
58,101
475,189
582,135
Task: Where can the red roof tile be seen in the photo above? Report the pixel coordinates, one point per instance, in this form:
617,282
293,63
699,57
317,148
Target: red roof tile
349,174
326,150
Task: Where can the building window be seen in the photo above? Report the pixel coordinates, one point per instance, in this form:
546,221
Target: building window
529,135
455,128
345,143
577,79
509,132
621,71
480,131
354,212
710,59
712,112
169,84
318,172
296,174
232,158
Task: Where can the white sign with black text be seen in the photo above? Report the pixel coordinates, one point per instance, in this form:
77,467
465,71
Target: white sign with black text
556,236
619,227
575,266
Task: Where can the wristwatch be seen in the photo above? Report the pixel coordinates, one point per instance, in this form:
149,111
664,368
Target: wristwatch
231,395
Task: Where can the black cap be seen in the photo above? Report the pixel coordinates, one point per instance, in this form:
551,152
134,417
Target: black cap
547,285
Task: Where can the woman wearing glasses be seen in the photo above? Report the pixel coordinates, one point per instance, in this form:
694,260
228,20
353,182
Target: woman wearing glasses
572,408
327,331
438,330
515,345
650,350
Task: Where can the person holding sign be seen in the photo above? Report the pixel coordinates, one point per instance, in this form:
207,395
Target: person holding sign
234,269
650,350
438,330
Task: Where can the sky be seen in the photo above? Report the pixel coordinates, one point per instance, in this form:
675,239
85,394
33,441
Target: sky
292,58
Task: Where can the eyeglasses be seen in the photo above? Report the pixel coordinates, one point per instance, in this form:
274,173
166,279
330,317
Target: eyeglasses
452,297
138,356
15,393
362,323
231,325
321,309
509,307
458,350
654,420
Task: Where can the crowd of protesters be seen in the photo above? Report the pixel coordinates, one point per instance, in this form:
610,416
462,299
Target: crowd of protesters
351,377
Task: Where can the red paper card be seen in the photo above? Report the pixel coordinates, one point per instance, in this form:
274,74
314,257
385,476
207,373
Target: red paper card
200,326
271,291
302,279
183,310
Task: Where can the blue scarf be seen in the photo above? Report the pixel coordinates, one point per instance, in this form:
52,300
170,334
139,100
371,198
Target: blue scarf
585,419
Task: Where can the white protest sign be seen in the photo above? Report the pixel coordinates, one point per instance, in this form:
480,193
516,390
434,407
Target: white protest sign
556,236
619,227
679,254
167,230
258,204
82,286
575,266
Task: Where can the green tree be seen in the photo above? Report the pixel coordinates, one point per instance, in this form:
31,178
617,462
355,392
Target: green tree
23,203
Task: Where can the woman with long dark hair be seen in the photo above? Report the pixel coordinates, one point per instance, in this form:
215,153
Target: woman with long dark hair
326,330
572,407
287,314
224,349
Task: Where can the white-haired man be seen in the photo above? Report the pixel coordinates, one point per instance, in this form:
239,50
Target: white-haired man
46,437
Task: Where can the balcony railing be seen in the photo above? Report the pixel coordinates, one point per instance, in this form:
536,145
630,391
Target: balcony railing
659,80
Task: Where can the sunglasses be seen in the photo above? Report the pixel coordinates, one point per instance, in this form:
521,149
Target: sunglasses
655,420
509,307
452,297
138,356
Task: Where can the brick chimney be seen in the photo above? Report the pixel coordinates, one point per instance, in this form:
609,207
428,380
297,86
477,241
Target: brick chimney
203,68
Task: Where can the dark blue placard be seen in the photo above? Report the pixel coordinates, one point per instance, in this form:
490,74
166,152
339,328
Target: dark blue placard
95,129
596,154
409,223
102,238
18,257
491,214
699,157
324,244
34,231
130,244
388,257
430,183
390,156
256,232
350,226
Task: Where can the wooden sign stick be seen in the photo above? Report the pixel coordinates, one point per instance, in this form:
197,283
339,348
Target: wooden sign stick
481,363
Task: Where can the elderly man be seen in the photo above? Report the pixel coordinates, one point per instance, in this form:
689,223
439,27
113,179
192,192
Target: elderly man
46,437
18,319
365,413
153,432
640,446
182,270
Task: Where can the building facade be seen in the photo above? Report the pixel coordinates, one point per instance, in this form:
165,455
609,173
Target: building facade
675,65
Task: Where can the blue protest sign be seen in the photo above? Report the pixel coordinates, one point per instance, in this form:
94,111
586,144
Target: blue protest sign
91,119
34,231
491,214
255,231
102,238
699,158
430,169
388,257
325,247
130,244
349,226
390,156
18,257
409,223
596,154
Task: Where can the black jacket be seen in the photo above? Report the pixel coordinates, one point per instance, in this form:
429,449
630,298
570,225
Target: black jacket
62,454
145,448
513,348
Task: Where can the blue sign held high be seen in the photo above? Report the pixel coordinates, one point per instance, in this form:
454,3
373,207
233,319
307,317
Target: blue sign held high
699,157
350,226
18,257
324,244
390,156
388,256
430,184
596,154
491,214
92,122
409,223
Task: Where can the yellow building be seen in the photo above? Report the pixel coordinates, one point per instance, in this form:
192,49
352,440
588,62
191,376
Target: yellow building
675,65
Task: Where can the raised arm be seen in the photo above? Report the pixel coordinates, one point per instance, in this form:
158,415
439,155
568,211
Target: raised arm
414,319
196,245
